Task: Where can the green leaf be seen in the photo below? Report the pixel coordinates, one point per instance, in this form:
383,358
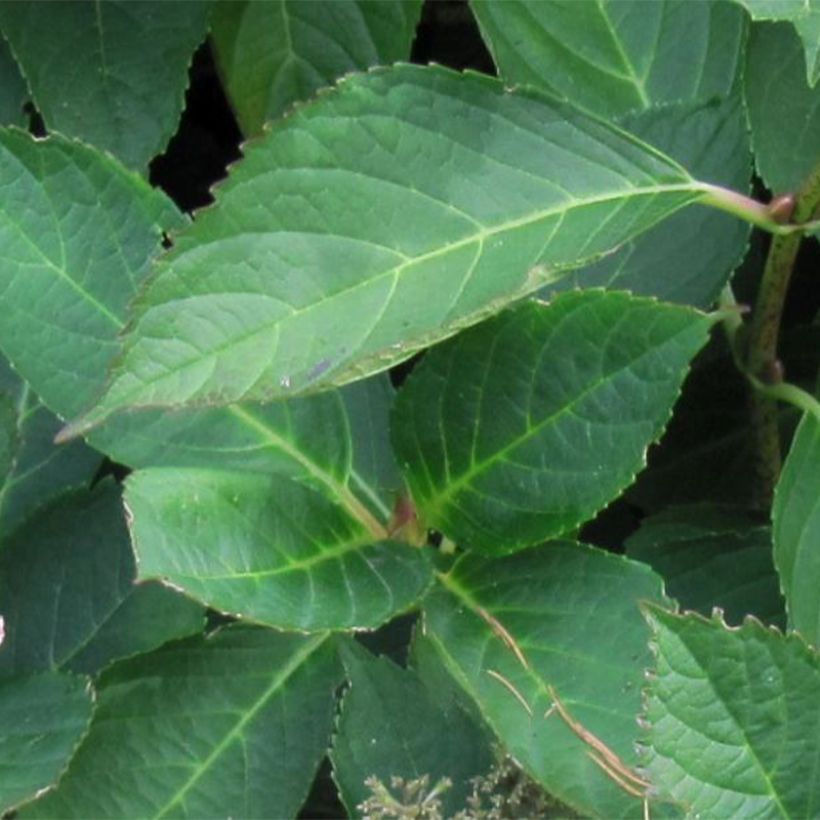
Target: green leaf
782,108
277,52
615,57
526,426
270,550
711,556
796,520
13,90
734,716
483,195
42,719
68,594
77,232
805,16
392,726
233,725
689,257
563,616
34,470
111,73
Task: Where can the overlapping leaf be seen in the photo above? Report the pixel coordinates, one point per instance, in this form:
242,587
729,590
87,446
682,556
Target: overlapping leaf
711,556
392,726
270,549
613,58
796,519
42,719
526,426
112,73
273,53
13,90
399,182
34,469
804,15
230,725
67,590
781,107
559,619
734,717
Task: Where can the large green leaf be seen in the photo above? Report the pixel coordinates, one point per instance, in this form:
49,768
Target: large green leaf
113,73
711,556
391,725
233,725
482,196
689,257
562,618
269,549
796,519
68,595
273,53
619,56
34,469
804,15
526,426
42,719
734,718
781,107
77,232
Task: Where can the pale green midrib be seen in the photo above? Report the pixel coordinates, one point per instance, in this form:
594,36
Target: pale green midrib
637,83
434,502
773,793
339,551
298,659
337,489
695,188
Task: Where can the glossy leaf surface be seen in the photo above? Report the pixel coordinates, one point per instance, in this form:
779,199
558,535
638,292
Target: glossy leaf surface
273,53
796,519
387,169
230,725
526,426
613,58
68,595
270,550
564,616
781,107
42,719
391,725
115,72
712,556
732,718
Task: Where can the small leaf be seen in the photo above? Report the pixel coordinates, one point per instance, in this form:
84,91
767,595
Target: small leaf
67,590
804,15
733,717
711,556
272,53
613,58
35,469
42,719
392,726
482,195
261,704
562,618
526,426
781,107
111,73
796,520
270,550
